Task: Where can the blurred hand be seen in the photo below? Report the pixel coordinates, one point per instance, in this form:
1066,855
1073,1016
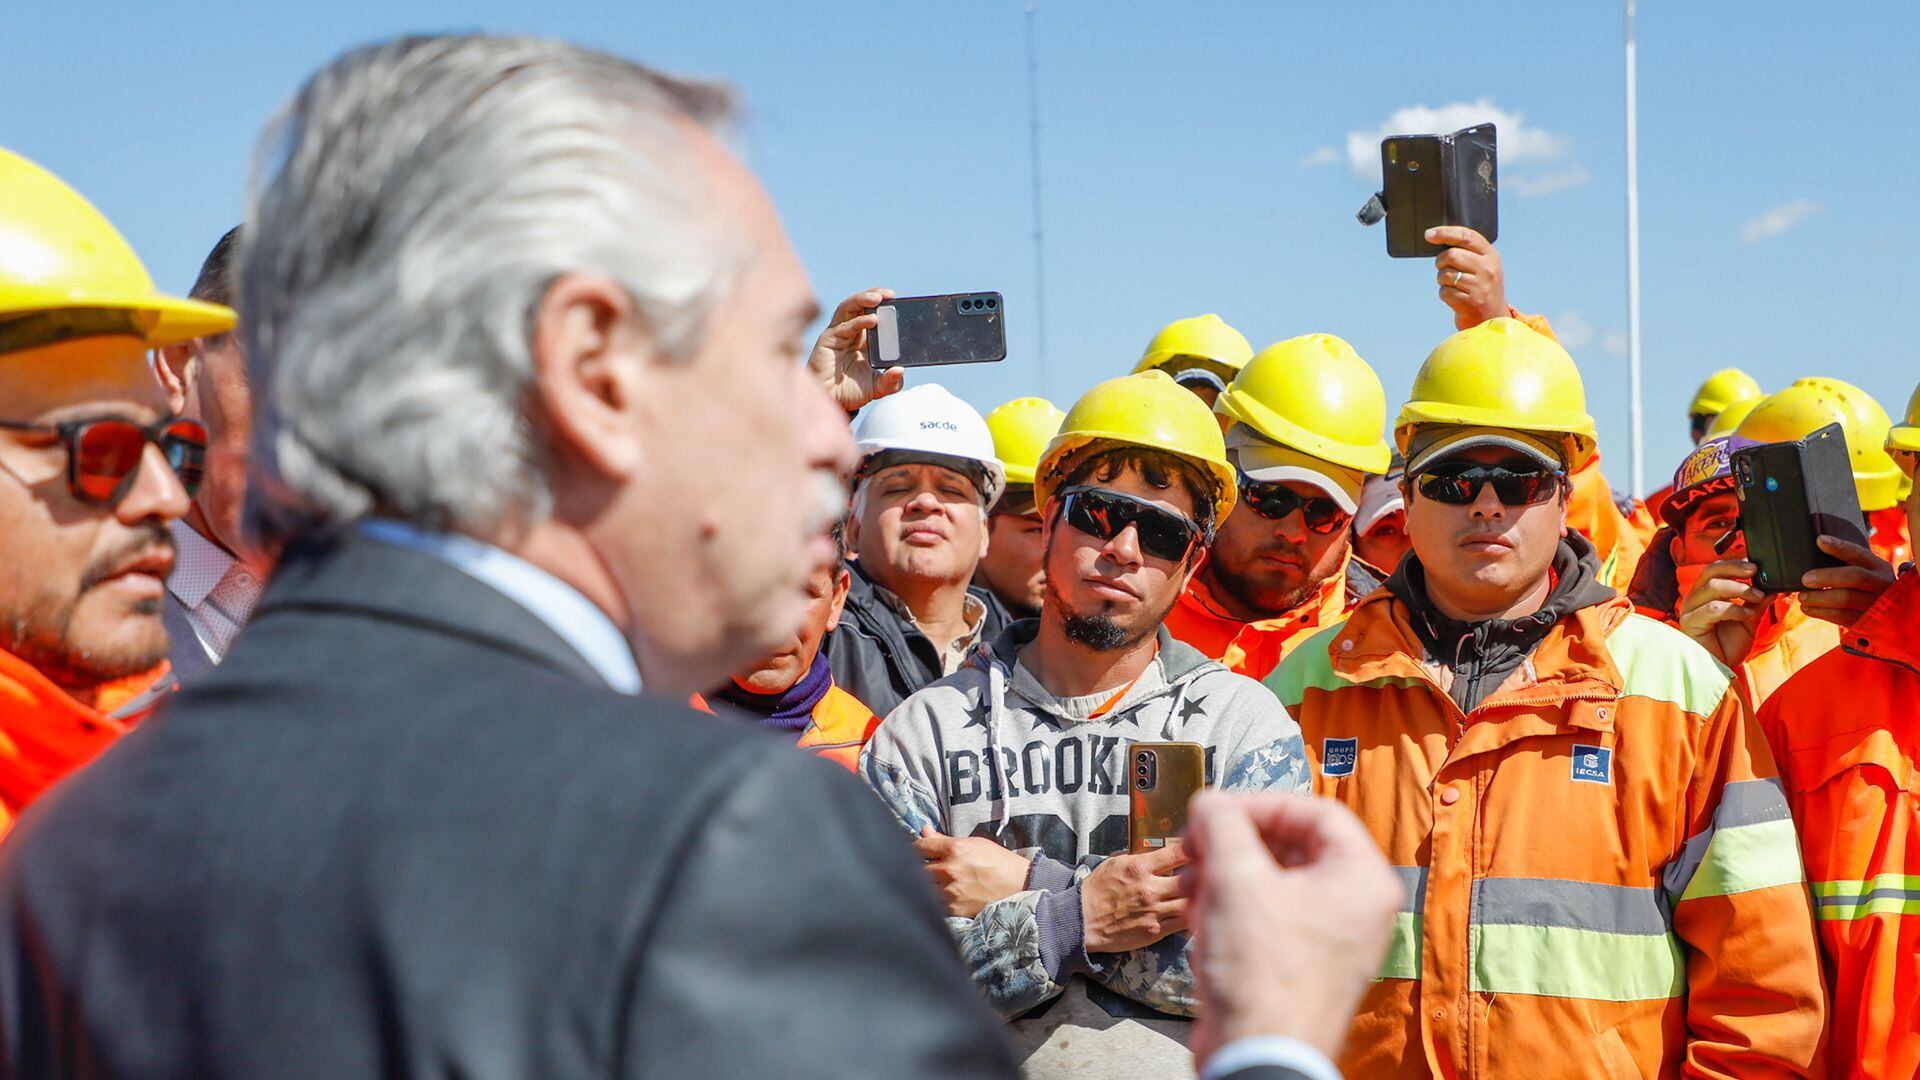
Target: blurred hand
840,358
970,871
1471,281
1132,901
1841,594
1723,609
1293,907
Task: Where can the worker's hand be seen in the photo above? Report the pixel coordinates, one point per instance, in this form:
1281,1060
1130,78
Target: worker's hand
841,358
1723,609
1132,901
1471,281
970,871
1841,594
1293,906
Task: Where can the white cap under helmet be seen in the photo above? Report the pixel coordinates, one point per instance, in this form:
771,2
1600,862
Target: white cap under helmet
928,423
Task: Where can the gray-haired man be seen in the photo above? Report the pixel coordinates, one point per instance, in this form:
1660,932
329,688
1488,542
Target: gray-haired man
534,432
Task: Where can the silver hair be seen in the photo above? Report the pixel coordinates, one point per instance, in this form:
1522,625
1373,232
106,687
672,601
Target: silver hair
409,210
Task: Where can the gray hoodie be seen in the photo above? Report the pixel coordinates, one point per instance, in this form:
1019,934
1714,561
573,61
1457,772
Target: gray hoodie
989,751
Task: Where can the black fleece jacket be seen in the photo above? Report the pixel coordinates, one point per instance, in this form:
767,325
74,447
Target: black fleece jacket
1482,654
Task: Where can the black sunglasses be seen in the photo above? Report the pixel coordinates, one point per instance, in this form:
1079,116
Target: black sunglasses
1104,514
1274,501
103,456
1460,484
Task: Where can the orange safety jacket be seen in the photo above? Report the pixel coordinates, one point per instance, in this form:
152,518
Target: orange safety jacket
45,733
1254,648
1601,872
1846,730
1619,539
840,729
1787,640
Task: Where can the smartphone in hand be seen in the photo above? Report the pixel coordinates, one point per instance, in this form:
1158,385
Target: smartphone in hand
1431,180
1162,778
954,328
1791,494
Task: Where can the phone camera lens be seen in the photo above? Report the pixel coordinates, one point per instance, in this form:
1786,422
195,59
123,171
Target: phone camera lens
991,302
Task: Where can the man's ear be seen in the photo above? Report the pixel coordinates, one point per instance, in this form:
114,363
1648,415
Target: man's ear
588,361
986,532
842,584
174,366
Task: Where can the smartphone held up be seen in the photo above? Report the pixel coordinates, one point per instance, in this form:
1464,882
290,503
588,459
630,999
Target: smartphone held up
1791,494
952,328
1433,180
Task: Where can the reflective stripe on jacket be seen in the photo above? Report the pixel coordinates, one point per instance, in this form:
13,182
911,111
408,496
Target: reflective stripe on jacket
1846,730
1601,869
1255,648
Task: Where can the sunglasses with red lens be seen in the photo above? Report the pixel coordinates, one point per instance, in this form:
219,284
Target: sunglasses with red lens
1104,514
1274,501
1460,484
103,456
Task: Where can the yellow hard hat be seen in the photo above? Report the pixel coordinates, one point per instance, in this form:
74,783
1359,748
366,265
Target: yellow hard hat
1903,439
1811,404
58,254
1722,389
1207,337
1502,374
1727,420
1314,394
1146,409
1021,430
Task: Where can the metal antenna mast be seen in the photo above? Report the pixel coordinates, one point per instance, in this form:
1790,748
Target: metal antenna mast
1633,268
1033,139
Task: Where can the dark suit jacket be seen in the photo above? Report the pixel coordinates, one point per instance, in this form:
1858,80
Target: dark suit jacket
405,830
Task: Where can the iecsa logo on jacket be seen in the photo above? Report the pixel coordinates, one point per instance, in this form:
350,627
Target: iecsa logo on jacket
1593,764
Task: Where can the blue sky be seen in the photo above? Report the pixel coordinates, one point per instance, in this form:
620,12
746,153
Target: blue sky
1194,159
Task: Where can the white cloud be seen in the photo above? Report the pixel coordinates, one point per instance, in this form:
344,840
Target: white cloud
1326,155
1778,219
1573,330
1532,185
1521,145
1577,334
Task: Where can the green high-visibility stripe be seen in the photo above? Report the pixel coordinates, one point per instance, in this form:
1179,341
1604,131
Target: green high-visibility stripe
1872,884
1659,662
1562,962
1747,858
1849,910
1882,894
1403,951
1310,667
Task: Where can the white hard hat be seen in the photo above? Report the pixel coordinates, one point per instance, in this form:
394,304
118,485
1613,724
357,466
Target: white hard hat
929,423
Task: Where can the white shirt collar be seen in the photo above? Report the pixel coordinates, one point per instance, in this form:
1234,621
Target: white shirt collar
198,565
571,615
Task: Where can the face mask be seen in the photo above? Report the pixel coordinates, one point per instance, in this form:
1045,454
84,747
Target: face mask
1688,576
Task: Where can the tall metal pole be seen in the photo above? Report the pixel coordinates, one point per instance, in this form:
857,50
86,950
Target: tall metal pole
1638,458
1033,138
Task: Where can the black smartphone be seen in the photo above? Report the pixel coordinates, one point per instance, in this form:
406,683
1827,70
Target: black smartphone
1791,494
957,328
1430,180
